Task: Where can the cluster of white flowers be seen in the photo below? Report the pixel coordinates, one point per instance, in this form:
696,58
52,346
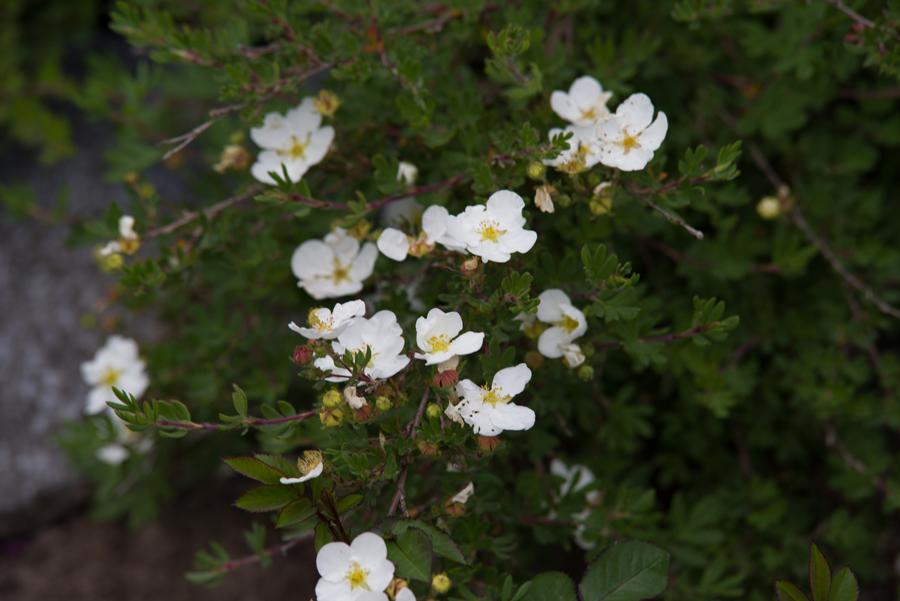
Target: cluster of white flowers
566,323
293,142
117,364
575,480
335,266
624,140
492,231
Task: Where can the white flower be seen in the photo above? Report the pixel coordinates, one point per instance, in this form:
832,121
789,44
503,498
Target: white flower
116,364
629,137
353,399
438,336
335,266
488,409
496,230
128,241
407,173
572,354
393,244
359,571
113,454
575,480
327,324
126,228
296,141
381,334
567,322
584,104
310,466
463,496
436,222
583,151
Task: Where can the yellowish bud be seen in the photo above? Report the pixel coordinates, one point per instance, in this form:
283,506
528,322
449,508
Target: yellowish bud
769,208
441,583
535,170
234,156
326,103
433,411
332,399
331,418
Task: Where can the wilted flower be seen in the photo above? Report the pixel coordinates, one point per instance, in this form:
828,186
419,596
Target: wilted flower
583,104
438,336
295,141
234,156
118,365
543,198
359,571
335,266
489,410
326,103
310,466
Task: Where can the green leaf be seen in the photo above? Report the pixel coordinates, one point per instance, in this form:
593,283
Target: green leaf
788,592
256,469
628,571
551,586
239,398
296,512
844,586
348,503
411,553
441,542
266,498
819,575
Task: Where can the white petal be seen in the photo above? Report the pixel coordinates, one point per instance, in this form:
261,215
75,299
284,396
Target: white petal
303,119
512,380
510,416
520,241
273,133
652,137
551,341
434,222
381,573
464,495
319,144
635,113
405,594
97,399
507,206
469,390
563,106
112,454
311,259
550,305
585,91
339,590
467,343
364,263
333,560
393,244
345,311
369,546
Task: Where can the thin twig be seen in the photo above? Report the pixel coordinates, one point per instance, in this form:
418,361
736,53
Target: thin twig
281,549
857,18
374,205
410,432
209,213
250,421
661,338
673,218
643,195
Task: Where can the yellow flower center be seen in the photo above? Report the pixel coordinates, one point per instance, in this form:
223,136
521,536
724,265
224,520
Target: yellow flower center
357,576
492,396
629,142
568,323
589,114
490,230
316,322
110,376
309,461
439,343
297,149
341,273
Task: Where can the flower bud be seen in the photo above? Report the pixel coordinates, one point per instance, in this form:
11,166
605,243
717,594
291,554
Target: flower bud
441,583
600,205
383,403
331,418
469,265
535,170
332,399
585,373
302,355
433,411
489,444
326,103
444,379
564,200
353,399
396,585
361,229
769,208
234,156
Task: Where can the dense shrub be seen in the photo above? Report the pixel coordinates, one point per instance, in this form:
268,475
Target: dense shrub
725,446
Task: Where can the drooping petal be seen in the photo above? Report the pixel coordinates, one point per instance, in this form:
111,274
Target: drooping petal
512,380
550,342
393,244
332,560
550,305
652,137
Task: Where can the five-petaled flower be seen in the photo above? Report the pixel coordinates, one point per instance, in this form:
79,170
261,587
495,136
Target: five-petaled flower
117,364
327,324
381,335
567,323
583,104
335,266
438,336
488,409
295,142
495,230
629,137
359,571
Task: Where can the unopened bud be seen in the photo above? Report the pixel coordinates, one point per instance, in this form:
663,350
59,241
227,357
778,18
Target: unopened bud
489,444
302,355
585,373
433,411
331,418
769,208
600,205
535,170
383,403
332,399
446,378
441,583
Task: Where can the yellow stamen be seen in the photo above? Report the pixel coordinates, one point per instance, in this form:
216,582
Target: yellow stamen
629,142
110,376
569,324
357,576
340,273
589,114
490,230
439,343
492,396
297,149
316,322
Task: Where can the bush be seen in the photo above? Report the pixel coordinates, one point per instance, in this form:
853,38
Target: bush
658,441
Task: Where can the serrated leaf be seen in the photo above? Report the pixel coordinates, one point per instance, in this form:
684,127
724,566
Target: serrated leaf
255,469
628,571
411,553
266,498
295,512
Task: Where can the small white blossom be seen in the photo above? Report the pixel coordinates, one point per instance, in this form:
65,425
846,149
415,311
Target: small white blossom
117,364
464,495
629,137
310,465
128,241
583,151
295,141
575,480
572,354
113,453
393,244
438,336
359,571
381,334
583,104
335,266
567,322
407,173
496,230
436,222
489,410
327,324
